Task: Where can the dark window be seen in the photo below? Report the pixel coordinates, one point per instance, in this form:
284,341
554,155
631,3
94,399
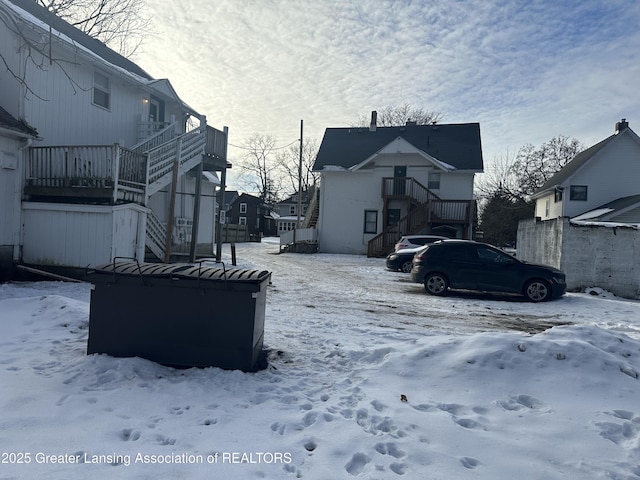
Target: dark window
101,91
243,208
558,195
370,221
578,193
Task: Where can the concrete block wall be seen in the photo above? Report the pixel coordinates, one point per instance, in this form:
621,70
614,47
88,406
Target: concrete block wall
591,256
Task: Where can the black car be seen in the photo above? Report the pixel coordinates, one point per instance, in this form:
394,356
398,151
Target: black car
469,265
402,259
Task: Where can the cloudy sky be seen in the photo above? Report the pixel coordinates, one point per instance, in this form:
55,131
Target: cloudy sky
525,70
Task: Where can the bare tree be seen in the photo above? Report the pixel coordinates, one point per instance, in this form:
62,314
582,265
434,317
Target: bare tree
116,22
504,191
119,24
259,170
289,162
534,166
398,115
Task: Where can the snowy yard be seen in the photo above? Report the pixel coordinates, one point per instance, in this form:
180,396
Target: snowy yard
368,377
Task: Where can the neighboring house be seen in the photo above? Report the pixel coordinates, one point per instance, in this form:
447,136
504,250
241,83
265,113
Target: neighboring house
287,210
588,217
607,171
254,213
380,183
122,167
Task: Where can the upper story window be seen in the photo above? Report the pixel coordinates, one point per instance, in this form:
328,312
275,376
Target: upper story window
578,193
434,181
101,90
243,208
292,210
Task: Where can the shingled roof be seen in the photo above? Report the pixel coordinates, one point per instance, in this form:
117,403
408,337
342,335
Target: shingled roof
9,122
454,144
79,37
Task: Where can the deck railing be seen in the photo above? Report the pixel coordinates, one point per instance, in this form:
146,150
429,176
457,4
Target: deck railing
403,187
109,167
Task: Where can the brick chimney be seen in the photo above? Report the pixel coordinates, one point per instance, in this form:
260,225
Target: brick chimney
621,125
374,121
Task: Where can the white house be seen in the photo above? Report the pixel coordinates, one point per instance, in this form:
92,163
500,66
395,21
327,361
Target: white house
120,165
379,183
607,171
587,220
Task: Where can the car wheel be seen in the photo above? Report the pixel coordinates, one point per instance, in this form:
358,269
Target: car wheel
537,291
436,284
406,266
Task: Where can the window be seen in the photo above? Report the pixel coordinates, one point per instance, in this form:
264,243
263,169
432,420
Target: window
101,91
243,208
557,195
547,208
370,221
292,210
242,221
434,181
578,193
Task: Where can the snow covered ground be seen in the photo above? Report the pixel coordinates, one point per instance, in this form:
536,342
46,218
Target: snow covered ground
368,377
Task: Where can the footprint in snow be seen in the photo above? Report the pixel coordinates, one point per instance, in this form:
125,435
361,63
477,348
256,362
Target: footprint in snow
389,448
129,434
278,428
356,464
470,463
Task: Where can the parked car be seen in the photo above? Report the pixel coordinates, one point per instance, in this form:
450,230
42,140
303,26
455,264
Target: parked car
413,241
468,265
402,259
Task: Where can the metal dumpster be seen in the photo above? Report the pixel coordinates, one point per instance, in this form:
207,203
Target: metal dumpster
181,315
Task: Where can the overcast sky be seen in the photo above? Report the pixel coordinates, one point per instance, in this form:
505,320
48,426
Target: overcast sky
525,70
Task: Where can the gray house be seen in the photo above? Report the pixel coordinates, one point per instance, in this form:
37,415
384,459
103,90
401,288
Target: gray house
587,219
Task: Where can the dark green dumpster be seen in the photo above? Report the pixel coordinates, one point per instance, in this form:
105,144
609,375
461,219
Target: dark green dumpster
181,315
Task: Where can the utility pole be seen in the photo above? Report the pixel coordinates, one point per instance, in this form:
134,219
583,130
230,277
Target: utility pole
298,225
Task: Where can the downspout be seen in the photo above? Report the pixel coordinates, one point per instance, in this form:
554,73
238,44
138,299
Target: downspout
18,239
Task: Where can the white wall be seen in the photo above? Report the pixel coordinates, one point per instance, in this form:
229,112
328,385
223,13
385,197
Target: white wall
343,199
10,187
81,235
591,256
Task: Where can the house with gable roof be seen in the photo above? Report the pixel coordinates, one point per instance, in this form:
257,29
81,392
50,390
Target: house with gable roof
380,183
587,217
606,172
120,165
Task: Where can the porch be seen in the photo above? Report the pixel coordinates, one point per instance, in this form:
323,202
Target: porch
426,210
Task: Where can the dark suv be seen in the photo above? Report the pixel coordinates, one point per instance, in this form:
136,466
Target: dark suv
471,265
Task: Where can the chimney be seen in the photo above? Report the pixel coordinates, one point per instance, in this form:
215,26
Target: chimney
411,123
374,121
621,125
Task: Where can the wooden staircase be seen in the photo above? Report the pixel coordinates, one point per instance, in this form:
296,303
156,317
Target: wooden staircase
313,211
424,207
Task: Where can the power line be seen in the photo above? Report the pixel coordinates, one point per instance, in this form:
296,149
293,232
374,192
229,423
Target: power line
274,148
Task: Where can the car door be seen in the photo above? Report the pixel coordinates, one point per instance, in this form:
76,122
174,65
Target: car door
462,266
498,271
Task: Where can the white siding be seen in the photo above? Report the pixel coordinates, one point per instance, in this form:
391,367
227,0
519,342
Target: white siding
80,235
343,199
612,173
10,185
68,116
